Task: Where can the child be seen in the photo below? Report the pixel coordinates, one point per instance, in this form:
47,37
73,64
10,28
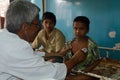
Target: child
49,37
85,43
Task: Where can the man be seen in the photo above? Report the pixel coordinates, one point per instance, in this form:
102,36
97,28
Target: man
18,61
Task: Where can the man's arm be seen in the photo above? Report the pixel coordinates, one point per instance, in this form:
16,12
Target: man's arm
78,57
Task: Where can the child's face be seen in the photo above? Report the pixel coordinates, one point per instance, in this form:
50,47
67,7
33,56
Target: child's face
79,29
48,25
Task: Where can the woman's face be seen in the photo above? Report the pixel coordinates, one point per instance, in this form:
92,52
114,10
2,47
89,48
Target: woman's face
80,29
48,25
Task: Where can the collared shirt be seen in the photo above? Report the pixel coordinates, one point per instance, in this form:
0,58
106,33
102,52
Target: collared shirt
54,43
18,59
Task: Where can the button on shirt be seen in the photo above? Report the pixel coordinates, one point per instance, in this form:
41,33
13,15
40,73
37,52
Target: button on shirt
17,58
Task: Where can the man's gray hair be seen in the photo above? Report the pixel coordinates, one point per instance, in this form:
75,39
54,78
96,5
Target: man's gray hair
19,12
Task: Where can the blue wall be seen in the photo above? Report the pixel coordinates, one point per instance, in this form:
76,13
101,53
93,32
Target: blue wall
39,4
103,14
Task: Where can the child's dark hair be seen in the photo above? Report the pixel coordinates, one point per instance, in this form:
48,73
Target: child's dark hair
49,15
83,19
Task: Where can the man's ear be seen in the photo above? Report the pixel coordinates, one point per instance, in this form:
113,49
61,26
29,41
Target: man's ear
24,26
22,29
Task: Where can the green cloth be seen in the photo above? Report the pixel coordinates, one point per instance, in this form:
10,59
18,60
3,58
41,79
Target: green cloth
93,54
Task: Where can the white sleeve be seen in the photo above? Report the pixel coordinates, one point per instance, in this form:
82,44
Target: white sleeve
39,53
23,63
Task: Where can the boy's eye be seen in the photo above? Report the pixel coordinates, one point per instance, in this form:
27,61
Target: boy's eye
46,22
75,28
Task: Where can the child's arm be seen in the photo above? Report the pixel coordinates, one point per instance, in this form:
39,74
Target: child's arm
92,66
96,61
